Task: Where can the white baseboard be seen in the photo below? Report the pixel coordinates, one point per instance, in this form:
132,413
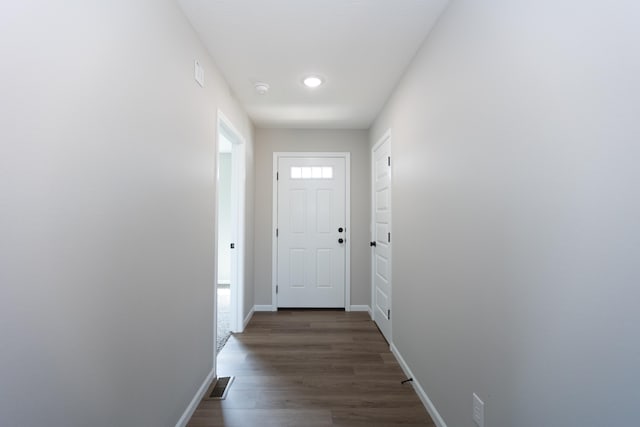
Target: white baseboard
435,416
193,405
361,308
263,308
248,318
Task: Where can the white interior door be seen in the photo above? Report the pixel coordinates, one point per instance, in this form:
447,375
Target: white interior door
311,242
382,236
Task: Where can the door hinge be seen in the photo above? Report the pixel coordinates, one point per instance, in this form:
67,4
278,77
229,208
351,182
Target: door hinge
389,237
389,160
389,314
276,232
276,289
277,176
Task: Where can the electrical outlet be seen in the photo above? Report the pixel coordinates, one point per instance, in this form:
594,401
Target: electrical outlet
478,411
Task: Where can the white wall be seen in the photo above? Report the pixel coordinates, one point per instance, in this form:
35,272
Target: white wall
269,141
516,209
107,160
224,218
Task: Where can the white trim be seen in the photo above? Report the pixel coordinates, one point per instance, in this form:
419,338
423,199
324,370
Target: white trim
428,404
193,405
274,240
361,308
257,308
215,248
238,187
347,258
248,318
274,220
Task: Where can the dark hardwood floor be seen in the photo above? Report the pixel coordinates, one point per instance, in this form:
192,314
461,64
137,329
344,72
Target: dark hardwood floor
304,368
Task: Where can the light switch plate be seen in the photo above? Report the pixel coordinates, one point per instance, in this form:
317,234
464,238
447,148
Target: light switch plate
478,411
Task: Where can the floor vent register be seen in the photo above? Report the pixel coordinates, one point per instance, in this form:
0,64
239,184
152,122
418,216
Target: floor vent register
218,390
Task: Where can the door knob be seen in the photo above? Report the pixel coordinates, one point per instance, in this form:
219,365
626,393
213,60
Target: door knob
372,243
341,240
340,230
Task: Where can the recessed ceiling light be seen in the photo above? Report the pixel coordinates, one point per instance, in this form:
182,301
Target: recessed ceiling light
312,81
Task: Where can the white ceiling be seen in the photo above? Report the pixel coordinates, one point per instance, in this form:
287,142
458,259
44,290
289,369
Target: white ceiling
361,48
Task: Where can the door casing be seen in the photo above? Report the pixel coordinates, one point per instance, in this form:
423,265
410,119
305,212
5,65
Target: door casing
274,217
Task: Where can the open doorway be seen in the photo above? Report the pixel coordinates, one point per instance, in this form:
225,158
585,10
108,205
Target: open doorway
230,231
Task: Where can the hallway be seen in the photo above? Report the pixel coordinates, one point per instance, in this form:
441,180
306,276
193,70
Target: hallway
311,368
500,232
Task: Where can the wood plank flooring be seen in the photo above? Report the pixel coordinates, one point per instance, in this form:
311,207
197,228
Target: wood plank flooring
302,368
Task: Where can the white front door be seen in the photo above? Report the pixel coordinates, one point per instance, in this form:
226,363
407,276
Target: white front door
382,236
311,214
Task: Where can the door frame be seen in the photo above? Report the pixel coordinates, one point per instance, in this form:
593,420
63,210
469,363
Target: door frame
238,217
274,221
384,138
